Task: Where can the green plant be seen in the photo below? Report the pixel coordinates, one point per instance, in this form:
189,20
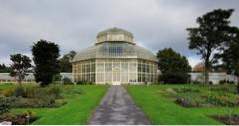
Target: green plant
223,100
174,77
54,91
67,81
81,82
8,92
19,91
222,82
185,102
4,105
45,56
19,119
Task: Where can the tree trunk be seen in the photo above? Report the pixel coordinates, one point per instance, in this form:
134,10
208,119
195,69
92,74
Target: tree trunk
206,72
20,80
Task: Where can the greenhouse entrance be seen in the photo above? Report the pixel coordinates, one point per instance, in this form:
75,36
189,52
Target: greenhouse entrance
116,83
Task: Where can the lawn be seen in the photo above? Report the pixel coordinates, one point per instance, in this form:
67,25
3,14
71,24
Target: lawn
5,86
81,101
161,109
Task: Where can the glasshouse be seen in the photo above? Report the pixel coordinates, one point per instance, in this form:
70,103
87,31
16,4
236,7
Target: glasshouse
115,59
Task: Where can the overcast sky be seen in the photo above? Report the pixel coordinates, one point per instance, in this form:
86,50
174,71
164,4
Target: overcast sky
74,24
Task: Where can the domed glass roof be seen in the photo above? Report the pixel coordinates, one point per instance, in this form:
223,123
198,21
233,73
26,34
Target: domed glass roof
114,31
114,35
108,46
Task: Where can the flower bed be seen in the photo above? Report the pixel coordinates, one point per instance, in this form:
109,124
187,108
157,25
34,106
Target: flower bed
218,96
228,119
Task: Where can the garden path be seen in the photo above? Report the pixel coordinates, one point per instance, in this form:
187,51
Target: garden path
117,107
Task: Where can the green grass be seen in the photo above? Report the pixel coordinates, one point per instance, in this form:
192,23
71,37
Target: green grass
6,86
77,110
160,109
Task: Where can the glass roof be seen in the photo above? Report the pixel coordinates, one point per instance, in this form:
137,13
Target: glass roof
115,43
115,50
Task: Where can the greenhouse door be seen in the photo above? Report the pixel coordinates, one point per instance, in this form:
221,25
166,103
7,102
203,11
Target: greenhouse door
116,74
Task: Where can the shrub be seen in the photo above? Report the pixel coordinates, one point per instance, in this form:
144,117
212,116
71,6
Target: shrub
222,100
81,82
8,92
33,102
19,91
59,103
54,91
57,77
222,82
76,91
4,105
19,119
67,81
174,78
196,82
186,102
90,83
30,96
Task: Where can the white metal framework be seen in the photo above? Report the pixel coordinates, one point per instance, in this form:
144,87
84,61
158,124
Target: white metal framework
115,59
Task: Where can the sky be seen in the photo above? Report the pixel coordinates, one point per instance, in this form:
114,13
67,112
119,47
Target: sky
74,24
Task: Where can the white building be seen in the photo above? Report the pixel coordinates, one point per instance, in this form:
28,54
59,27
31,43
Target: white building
214,77
5,77
115,58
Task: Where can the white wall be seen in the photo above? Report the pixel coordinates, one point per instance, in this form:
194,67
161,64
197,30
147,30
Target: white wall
215,78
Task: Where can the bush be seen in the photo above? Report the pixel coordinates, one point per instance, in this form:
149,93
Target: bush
67,81
196,82
184,90
19,119
4,105
54,91
81,82
8,92
222,82
29,96
174,78
19,91
90,83
33,102
186,102
222,100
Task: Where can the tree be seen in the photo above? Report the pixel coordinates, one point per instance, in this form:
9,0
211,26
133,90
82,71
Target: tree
230,56
45,56
208,37
20,66
4,69
65,63
173,66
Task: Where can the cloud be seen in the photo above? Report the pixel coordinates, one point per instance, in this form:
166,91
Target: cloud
74,24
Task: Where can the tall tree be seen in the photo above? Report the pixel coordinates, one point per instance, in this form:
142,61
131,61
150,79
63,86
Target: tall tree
208,37
65,63
20,66
174,67
230,56
45,56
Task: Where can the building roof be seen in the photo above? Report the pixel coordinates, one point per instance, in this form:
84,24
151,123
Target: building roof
114,30
115,43
114,35
129,51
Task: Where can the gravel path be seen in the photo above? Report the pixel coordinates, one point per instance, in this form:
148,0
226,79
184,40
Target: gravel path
117,108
